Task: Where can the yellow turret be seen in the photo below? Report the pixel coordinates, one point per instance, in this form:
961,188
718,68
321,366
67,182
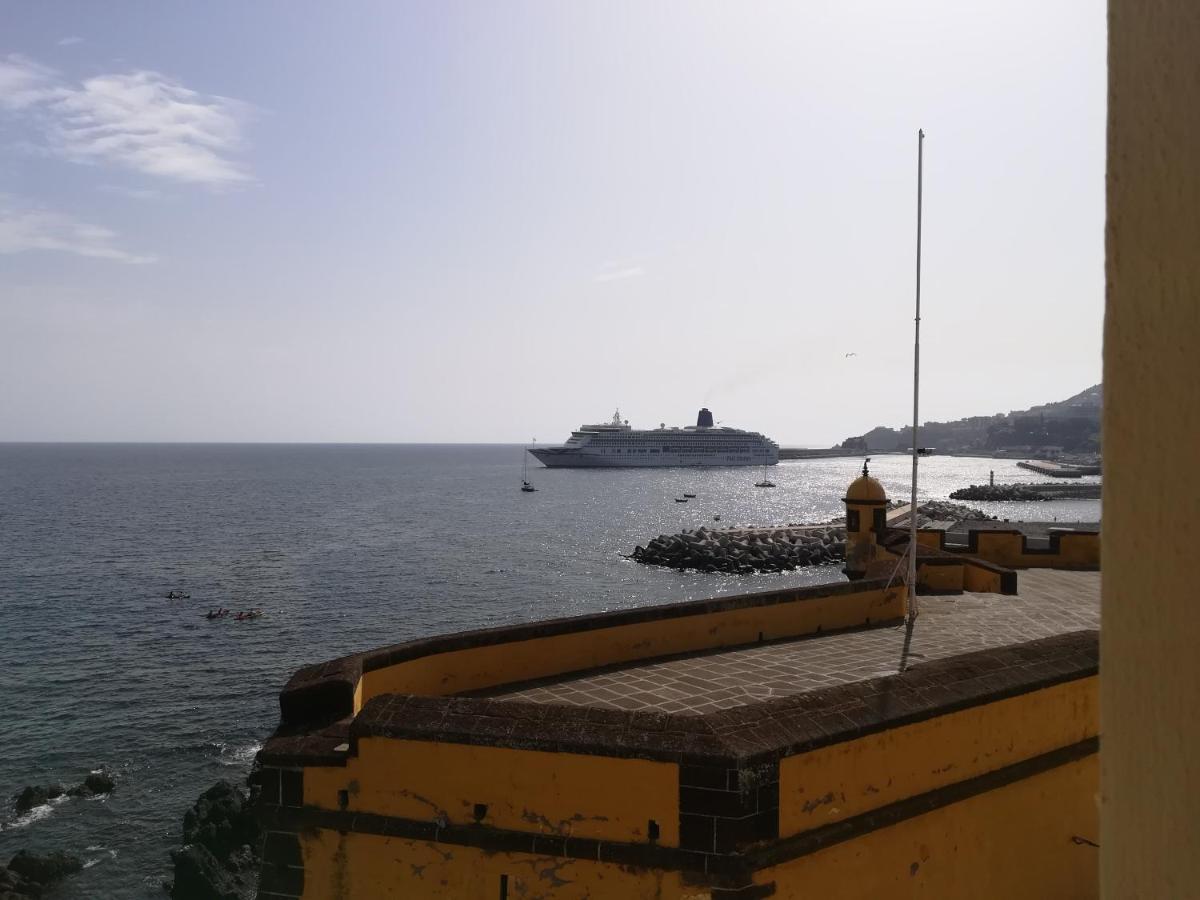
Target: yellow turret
866,519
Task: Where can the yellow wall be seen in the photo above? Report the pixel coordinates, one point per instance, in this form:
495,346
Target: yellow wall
480,667
847,779
940,578
980,580
1076,551
362,866
963,575
525,790
1011,842
1150,690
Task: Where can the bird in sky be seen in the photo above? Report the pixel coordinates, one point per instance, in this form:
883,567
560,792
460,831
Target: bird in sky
848,355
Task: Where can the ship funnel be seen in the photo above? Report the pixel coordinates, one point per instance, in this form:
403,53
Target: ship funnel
704,420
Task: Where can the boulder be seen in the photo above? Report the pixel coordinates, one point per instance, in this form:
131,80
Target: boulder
29,874
94,785
36,795
201,876
221,821
218,859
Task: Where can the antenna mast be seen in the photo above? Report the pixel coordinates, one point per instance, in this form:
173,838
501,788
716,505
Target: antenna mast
912,510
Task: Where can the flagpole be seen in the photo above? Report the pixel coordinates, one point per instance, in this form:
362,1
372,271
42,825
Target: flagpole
912,510
916,391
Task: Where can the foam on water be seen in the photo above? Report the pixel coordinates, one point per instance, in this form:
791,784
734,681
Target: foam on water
25,819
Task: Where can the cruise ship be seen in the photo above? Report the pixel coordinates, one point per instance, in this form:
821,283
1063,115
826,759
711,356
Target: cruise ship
616,444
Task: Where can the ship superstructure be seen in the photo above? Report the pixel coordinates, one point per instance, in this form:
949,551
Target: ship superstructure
617,445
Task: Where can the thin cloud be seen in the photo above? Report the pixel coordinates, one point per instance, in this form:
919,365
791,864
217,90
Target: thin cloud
69,41
618,272
25,229
140,120
135,193
25,84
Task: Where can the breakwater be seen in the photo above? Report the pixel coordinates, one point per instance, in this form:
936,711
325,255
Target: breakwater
746,550
1059,470
749,549
1032,492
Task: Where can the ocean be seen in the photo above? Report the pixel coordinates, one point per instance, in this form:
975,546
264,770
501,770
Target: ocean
343,548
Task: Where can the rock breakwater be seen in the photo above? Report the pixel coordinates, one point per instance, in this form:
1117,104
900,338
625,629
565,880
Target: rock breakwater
743,551
750,549
996,492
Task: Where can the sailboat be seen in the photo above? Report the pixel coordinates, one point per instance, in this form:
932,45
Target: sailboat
526,487
766,482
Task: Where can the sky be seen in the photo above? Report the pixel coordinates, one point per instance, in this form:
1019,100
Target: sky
390,221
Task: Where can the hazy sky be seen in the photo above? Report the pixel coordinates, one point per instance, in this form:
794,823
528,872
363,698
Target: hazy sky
314,221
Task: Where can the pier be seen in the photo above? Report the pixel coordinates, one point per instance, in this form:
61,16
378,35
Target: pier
1058,470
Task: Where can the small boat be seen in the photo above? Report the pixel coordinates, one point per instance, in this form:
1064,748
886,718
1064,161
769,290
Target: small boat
716,518
526,487
177,595
689,496
766,482
681,499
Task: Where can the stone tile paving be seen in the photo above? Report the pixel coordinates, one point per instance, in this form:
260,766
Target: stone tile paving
1049,602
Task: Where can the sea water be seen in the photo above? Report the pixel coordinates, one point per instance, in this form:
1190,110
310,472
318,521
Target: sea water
343,548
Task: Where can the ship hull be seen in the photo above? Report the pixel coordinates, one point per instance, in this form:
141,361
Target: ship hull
554,458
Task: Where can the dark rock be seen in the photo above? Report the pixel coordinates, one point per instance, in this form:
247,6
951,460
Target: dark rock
14,887
43,870
95,784
221,821
218,860
201,876
36,795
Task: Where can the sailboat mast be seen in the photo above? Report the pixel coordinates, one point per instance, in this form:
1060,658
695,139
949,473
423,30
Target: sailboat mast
912,509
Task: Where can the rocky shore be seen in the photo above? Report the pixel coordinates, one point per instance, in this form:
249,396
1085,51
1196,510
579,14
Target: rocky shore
750,549
31,874
220,853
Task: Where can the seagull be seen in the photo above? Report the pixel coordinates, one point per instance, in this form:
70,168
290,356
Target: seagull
848,355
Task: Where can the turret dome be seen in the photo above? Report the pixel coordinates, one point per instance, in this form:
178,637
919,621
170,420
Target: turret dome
866,489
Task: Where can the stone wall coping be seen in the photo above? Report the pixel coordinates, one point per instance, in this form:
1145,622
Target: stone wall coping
325,692
744,736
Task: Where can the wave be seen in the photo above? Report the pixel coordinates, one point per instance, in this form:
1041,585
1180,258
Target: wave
107,854
239,756
34,815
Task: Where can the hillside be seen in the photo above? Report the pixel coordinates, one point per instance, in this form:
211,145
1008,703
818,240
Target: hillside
1071,426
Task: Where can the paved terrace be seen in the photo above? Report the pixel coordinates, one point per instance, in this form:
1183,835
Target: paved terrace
1049,602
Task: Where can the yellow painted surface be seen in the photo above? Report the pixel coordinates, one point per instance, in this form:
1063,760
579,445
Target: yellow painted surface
941,578
853,777
370,867
1012,842
964,575
980,580
1150,689
1076,551
480,667
929,538
525,790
